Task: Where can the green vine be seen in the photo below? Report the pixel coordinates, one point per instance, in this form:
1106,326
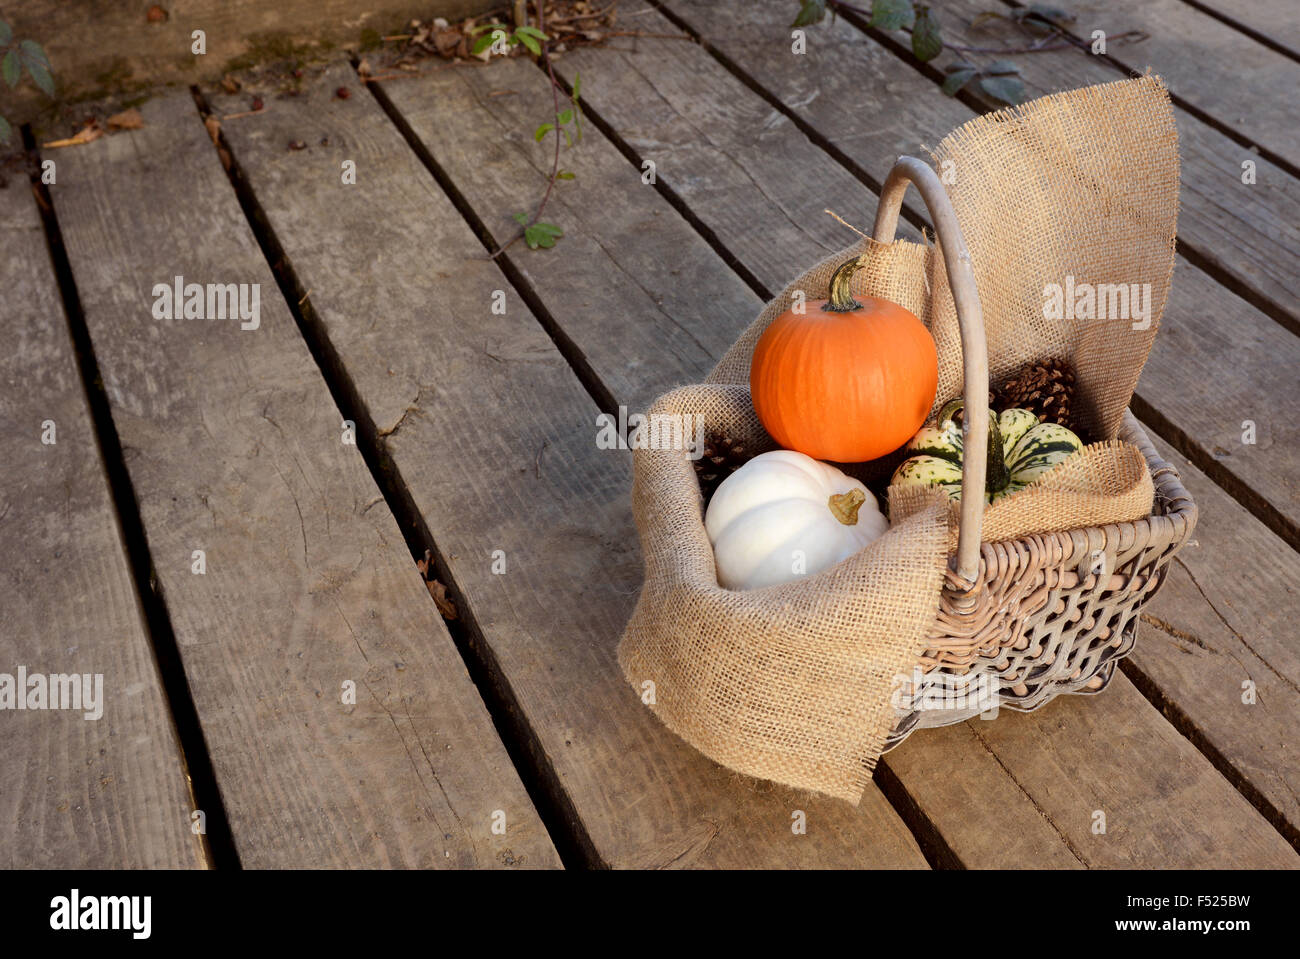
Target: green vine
566,120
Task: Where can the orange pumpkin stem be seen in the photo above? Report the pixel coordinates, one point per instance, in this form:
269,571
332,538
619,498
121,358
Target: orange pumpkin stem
841,295
845,506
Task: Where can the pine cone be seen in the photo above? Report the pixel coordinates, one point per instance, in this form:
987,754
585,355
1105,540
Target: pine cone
1045,388
723,455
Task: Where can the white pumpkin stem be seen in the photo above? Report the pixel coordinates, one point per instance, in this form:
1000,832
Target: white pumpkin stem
845,506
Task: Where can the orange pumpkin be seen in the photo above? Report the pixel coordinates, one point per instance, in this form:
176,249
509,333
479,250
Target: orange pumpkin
847,380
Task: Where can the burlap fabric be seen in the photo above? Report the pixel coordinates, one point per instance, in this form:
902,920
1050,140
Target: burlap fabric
792,682
1107,482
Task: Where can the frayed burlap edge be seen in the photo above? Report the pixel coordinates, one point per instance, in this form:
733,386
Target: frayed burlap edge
1103,483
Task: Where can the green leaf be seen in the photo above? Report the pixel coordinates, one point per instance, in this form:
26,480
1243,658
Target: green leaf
521,218
541,131
481,44
542,235
564,175
1000,67
11,68
577,121
926,42
1007,89
892,14
41,74
4,130
5,33
577,85
531,31
954,81
35,53
565,116
531,43
812,11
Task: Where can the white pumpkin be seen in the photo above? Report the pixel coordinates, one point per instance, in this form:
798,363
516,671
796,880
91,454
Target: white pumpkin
780,503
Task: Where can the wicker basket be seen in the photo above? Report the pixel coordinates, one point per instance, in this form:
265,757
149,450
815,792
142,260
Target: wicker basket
1023,621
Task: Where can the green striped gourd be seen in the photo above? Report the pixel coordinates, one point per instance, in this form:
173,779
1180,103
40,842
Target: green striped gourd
1020,450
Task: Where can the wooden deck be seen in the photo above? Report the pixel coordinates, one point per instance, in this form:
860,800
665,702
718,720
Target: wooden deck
506,737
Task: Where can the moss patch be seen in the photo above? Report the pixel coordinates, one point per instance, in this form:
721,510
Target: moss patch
274,47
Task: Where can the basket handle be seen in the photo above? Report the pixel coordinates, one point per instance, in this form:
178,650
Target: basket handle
974,348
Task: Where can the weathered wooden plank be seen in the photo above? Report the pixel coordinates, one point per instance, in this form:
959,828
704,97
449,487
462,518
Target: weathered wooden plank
1225,618
856,94
109,792
1164,804
1204,323
1218,371
1248,232
603,85
1271,21
986,818
1234,80
727,153
499,453
235,447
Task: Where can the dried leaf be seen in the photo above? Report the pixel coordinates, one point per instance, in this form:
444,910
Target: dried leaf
214,127
126,120
439,593
230,84
446,42
84,135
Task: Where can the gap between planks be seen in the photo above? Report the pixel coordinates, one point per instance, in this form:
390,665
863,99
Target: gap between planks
1258,36
562,823
218,841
